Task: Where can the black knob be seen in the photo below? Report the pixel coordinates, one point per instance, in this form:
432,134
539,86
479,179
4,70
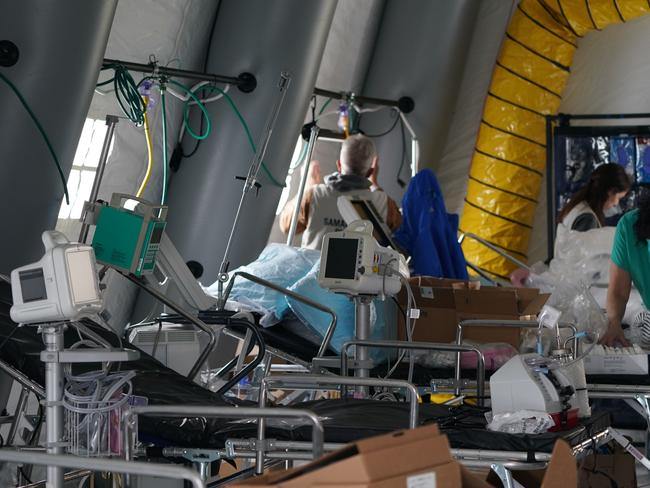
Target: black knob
405,105
9,53
196,268
247,82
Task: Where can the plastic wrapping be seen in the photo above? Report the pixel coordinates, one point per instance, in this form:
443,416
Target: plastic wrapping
318,322
527,84
282,265
522,422
495,355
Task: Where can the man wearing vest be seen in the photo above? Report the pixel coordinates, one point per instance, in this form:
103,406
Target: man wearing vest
356,176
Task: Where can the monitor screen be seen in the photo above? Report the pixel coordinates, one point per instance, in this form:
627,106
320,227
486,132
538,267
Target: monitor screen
32,285
156,234
341,258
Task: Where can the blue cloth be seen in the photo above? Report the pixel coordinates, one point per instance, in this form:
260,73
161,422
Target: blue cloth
428,233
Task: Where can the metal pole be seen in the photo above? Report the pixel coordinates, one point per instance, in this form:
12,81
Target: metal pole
512,324
20,407
58,461
494,248
175,72
129,422
432,346
314,381
362,333
111,122
251,179
179,310
53,339
23,379
71,476
405,102
550,188
313,137
267,284
415,145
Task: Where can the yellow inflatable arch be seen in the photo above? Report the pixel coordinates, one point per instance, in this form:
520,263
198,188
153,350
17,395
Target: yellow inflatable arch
509,159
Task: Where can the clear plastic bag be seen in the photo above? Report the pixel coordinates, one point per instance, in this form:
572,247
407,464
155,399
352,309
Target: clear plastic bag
495,354
521,422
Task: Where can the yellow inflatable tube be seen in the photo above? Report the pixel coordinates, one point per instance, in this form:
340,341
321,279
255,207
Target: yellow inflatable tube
527,84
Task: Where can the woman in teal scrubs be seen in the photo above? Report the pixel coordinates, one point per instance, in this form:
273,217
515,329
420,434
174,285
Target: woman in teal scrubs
630,265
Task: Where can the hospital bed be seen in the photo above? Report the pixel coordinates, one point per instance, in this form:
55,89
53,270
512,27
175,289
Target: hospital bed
345,420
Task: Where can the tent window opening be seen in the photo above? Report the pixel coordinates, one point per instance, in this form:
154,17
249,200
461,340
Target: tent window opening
84,167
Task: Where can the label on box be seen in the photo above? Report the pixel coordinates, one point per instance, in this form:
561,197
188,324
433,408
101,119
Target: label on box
414,313
426,480
426,292
636,364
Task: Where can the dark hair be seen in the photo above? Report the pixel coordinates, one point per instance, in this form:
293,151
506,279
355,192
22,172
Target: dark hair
642,225
605,180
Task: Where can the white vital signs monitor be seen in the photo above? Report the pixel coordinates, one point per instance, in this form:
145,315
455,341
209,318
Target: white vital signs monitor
354,264
63,285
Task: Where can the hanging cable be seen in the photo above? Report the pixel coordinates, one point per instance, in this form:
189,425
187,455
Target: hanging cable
128,96
164,143
301,156
43,134
247,130
322,109
389,130
191,96
147,135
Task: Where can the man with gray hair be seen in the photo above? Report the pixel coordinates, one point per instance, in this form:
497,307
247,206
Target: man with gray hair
356,176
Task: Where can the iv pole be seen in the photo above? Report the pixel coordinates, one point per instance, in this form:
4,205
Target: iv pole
251,180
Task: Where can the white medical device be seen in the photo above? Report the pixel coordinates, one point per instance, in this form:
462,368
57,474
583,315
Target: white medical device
354,264
61,286
526,383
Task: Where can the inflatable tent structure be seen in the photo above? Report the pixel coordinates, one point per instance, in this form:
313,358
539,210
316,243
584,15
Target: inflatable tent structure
509,158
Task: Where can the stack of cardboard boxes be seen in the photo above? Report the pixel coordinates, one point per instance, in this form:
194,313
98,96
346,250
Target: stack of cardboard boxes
418,458
444,303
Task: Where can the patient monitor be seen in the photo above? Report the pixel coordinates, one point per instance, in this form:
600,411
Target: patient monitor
353,263
63,285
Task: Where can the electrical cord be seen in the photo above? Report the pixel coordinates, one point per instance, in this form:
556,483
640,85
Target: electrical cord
42,132
401,182
205,68
322,109
301,157
389,130
9,336
247,130
128,96
163,110
147,134
191,97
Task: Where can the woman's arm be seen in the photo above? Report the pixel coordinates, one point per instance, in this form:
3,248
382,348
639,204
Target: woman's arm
618,293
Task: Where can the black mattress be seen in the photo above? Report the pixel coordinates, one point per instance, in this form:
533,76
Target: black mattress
345,420
349,420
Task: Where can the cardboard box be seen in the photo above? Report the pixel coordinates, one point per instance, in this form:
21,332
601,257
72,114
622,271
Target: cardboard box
418,458
598,471
444,303
561,472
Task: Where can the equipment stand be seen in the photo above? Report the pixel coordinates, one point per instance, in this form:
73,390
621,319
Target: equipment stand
362,333
53,339
111,122
54,356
